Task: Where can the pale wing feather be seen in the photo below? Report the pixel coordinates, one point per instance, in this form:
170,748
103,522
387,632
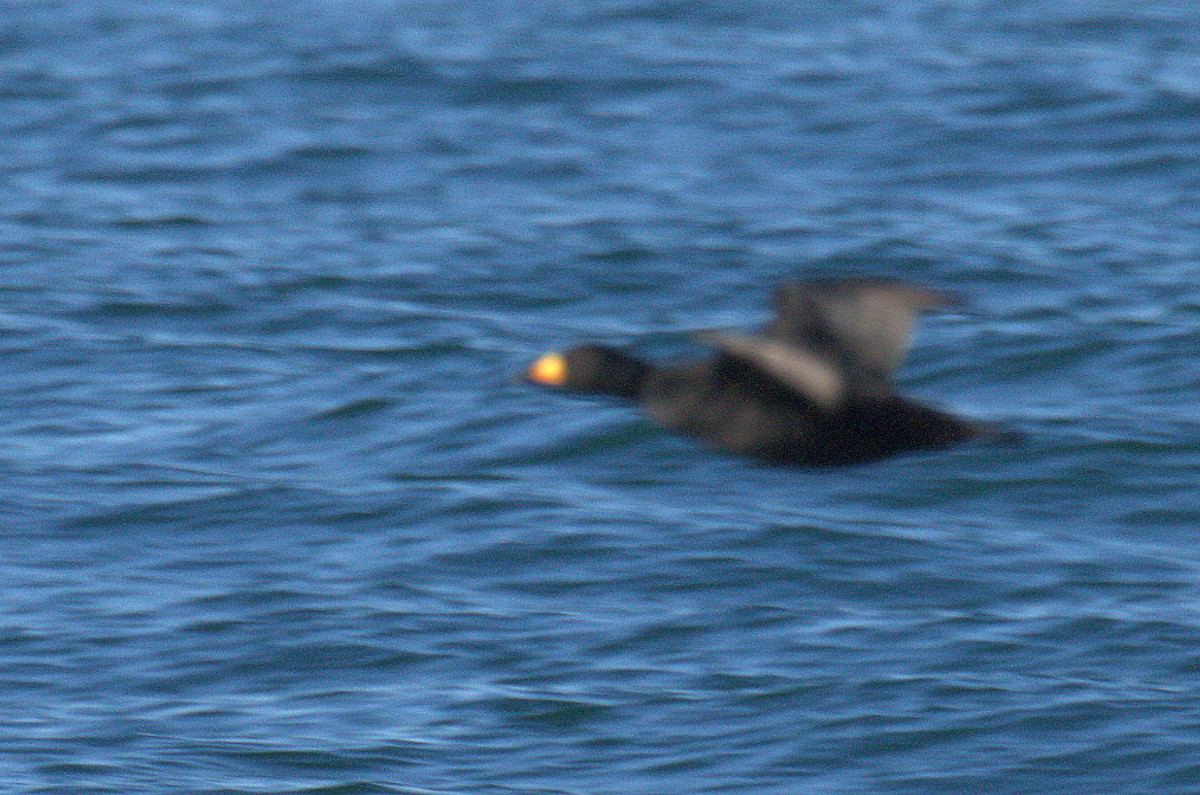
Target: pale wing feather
874,326
871,321
802,371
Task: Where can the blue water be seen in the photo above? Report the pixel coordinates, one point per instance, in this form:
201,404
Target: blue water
278,517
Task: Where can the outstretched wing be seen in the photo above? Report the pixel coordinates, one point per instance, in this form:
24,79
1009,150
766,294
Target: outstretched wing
865,323
804,372
833,340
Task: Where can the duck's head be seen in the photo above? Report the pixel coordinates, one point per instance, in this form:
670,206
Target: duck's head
590,368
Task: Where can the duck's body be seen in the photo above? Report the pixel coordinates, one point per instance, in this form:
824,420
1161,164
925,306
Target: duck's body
756,418
812,389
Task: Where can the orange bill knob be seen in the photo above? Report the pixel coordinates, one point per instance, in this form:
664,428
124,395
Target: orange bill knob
550,370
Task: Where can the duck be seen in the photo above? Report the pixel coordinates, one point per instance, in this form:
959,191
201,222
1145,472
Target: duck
814,387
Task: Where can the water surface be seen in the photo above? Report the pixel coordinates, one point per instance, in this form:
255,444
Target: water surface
278,517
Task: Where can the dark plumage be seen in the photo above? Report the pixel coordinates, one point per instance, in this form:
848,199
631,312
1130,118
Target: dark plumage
812,388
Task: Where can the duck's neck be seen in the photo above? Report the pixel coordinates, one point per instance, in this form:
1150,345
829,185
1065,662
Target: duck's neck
625,376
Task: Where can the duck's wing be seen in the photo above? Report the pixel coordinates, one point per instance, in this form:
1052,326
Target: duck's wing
863,324
806,373
834,340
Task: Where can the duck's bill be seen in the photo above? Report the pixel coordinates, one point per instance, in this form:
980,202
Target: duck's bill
549,370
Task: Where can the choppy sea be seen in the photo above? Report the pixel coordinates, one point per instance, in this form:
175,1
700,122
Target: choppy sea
276,515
